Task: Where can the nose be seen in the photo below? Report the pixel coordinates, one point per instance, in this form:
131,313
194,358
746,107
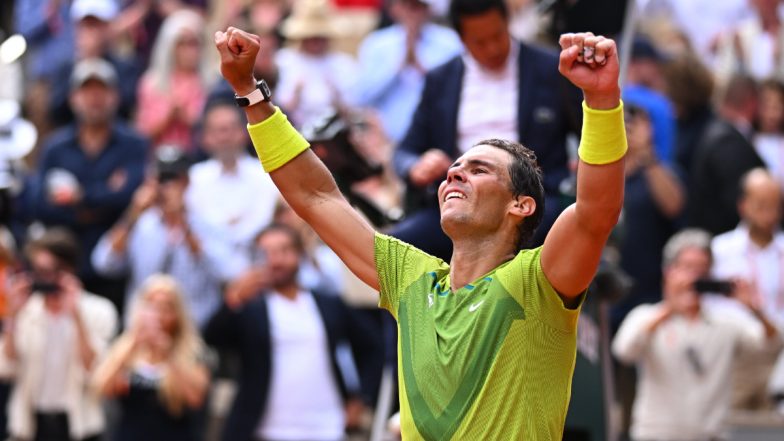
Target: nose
455,173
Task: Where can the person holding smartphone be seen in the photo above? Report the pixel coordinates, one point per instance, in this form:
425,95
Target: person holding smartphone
53,335
156,368
683,348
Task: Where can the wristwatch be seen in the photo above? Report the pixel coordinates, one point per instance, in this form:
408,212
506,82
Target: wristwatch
260,93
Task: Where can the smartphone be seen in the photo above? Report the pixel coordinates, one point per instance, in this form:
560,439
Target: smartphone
724,287
44,287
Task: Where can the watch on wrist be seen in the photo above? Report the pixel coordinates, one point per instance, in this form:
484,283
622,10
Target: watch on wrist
260,93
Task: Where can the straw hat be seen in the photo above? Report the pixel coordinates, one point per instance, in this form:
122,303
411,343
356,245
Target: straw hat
310,18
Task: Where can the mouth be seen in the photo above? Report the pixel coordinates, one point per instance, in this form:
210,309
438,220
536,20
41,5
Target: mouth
454,195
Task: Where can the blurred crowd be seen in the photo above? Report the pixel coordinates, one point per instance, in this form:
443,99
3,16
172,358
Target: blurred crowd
144,253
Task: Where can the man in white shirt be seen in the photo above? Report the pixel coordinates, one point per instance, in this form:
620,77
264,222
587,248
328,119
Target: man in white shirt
297,382
220,188
54,333
754,252
393,62
685,352
499,88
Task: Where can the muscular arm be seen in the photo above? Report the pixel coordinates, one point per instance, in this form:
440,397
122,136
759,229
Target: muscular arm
304,181
574,245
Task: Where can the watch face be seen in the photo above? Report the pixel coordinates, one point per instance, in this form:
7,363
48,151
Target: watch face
265,90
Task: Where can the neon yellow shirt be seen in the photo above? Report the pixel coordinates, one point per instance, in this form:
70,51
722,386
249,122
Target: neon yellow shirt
490,361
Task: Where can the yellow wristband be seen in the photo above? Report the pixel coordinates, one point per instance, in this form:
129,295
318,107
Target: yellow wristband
276,141
604,136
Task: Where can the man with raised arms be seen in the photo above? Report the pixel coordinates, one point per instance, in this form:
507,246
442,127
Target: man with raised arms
487,341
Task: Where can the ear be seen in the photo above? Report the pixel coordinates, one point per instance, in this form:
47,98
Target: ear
523,207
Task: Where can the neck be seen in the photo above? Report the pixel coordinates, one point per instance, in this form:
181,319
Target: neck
288,290
475,257
760,237
229,163
94,137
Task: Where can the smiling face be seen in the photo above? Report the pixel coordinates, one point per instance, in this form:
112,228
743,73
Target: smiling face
477,194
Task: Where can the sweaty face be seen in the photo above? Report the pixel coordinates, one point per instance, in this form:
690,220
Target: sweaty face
282,257
476,193
486,37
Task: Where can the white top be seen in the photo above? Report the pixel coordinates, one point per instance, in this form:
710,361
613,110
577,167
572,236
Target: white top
488,102
702,20
735,255
685,371
770,147
61,340
237,205
321,79
304,401
84,409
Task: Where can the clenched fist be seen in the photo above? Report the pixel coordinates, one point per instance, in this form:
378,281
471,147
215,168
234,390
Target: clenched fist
591,63
238,50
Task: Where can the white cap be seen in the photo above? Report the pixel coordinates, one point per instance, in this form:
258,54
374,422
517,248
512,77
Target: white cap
104,10
93,68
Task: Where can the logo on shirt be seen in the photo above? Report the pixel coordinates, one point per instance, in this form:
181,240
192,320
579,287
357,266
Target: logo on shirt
475,306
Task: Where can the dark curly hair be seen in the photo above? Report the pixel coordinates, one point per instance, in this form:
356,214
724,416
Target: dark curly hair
525,179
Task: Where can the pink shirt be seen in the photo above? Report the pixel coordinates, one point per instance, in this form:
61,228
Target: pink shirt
155,106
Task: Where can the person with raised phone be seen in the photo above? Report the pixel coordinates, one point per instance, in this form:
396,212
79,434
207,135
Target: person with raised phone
487,341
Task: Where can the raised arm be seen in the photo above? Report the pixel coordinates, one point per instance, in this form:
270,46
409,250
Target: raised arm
301,177
574,244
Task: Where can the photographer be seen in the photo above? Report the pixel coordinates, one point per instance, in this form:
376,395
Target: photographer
683,349
158,235
54,333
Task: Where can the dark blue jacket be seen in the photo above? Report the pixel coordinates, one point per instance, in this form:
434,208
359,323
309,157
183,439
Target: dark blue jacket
247,332
107,182
548,109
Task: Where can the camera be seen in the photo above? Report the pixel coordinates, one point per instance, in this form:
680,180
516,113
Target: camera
723,287
45,287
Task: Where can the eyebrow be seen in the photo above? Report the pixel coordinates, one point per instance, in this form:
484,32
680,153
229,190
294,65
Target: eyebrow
475,162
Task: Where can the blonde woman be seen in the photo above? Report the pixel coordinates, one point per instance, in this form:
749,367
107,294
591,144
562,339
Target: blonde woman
154,368
172,91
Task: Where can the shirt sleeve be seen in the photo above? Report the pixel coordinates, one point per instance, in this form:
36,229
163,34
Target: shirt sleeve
398,265
632,338
526,282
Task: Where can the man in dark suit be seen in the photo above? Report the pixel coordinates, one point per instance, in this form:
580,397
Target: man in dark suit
722,156
498,89
296,382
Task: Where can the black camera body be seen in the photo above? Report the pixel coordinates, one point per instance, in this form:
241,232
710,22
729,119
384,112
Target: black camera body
723,287
45,287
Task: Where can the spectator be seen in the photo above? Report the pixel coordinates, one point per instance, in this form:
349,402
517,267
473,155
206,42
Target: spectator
159,235
89,170
141,21
683,348
752,46
703,21
769,139
654,198
221,187
155,367
722,156
689,86
320,269
754,252
499,89
173,90
53,336
394,61
314,79
46,27
645,84
93,39
294,384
